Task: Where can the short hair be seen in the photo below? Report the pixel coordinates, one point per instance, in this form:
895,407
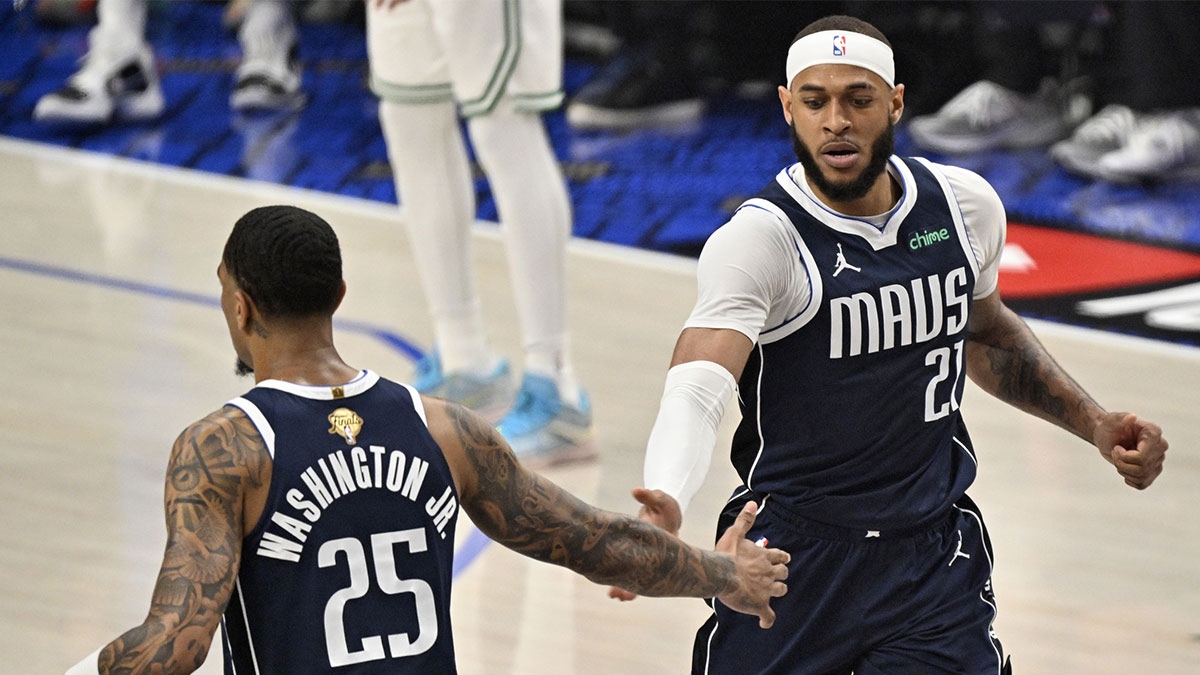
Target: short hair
287,260
843,22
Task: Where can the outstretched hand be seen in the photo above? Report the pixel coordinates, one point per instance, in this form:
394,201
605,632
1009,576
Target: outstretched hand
760,570
1135,447
659,509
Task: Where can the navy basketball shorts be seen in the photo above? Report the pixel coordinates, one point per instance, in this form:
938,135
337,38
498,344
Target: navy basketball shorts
868,603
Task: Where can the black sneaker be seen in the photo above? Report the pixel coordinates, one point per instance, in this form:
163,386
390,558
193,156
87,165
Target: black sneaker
635,90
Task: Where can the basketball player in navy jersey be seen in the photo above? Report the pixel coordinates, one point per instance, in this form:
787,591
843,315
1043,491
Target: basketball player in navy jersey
847,303
313,517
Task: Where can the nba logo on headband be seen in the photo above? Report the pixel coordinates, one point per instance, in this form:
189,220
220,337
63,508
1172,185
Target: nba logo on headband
815,49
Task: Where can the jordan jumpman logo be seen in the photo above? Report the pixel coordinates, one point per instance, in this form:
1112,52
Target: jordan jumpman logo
841,263
958,551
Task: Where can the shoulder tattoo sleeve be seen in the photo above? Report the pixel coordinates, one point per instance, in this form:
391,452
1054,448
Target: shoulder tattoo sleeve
212,464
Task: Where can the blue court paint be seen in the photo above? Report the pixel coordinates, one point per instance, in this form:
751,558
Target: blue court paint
469,550
92,279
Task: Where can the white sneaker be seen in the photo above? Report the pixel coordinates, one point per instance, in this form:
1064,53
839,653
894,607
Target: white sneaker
1106,131
987,116
267,85
1165,148
116,81
269,75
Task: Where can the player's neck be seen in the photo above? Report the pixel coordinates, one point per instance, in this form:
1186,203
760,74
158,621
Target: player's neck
318,369
302,357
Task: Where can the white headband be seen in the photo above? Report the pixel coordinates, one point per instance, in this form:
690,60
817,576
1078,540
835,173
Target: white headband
841,46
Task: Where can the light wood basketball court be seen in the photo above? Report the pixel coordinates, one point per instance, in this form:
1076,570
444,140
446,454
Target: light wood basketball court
112,342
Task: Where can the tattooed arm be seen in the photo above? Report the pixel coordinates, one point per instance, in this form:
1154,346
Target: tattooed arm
1006,360
533,516
215,468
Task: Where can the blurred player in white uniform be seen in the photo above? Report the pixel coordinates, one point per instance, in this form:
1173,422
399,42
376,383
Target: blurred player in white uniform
498,64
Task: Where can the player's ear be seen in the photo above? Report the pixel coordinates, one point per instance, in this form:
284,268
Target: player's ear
340,295
785,100
896,104
244,310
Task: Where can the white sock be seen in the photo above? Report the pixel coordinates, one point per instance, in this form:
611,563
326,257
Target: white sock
267,34
120,27
535,213
436,193
551,360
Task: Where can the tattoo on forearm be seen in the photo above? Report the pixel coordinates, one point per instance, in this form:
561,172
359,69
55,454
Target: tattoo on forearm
212,463
1021,380
533,516
1028,377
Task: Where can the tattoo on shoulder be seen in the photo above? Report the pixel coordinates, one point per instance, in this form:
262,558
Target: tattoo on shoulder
212,463
482,444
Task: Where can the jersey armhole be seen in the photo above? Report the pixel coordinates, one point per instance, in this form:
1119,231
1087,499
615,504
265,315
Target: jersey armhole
416,402
259,420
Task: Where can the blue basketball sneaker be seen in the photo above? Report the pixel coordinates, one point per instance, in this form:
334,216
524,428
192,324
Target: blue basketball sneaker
542,429
489,395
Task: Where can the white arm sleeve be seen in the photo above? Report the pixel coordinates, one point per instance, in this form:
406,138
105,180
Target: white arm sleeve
90,665
681,444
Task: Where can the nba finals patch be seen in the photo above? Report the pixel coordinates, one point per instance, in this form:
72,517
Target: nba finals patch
345,423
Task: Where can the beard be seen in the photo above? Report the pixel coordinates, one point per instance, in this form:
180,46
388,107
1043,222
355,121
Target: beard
242,369
855,188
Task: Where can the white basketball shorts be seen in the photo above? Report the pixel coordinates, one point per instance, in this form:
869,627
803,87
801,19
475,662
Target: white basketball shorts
474,52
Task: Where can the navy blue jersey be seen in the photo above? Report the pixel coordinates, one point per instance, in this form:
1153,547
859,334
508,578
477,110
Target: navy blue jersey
349,569
850,413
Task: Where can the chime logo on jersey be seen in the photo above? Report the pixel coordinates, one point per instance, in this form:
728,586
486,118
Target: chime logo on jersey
898,315
839,45
345,423
919,239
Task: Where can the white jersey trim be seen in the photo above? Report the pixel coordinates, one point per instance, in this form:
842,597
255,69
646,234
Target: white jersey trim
418,405
364,381
793,181
259,420
970,453
978,518
228,649
984,221
246,621
762,441
815,285
964,238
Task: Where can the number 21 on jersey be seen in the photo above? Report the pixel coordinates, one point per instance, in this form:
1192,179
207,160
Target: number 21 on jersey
949,365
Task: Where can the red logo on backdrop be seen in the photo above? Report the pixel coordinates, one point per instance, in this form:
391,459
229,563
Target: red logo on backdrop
1041,262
